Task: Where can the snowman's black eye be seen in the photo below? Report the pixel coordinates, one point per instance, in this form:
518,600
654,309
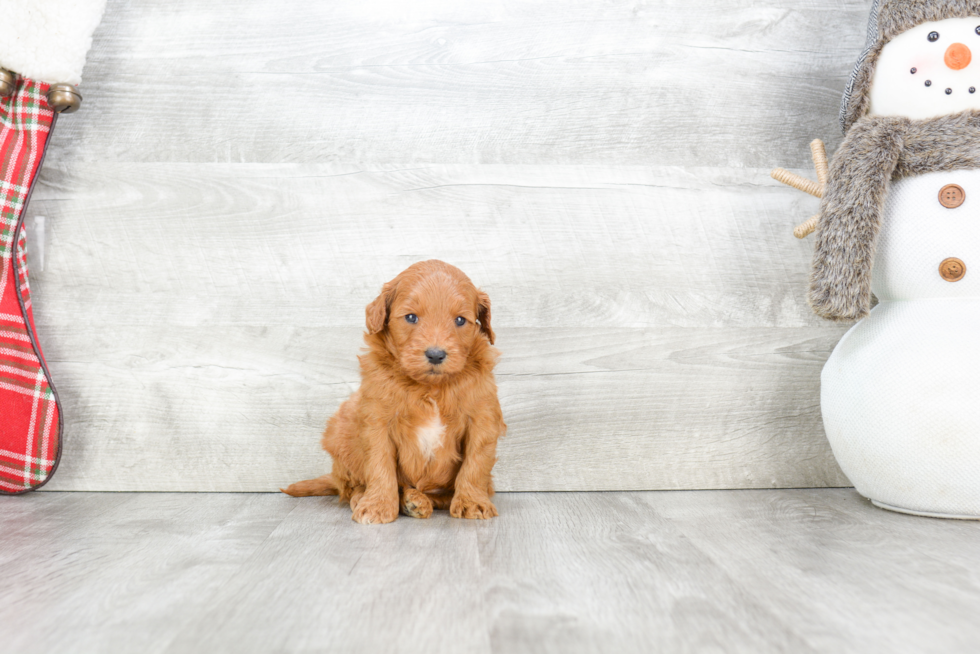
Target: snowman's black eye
914,71
977,30
934,36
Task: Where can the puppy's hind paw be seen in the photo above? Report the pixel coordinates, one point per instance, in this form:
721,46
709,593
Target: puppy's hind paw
375,512
481,509
415,504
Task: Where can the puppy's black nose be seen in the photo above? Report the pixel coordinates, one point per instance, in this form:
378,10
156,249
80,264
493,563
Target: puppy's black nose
435,355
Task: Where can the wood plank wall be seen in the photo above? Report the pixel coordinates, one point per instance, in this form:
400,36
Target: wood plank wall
243,176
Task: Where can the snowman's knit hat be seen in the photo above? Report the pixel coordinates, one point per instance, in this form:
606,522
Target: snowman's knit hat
889,18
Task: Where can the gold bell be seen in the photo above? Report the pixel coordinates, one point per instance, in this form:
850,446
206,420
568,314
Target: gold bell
8,82
64,98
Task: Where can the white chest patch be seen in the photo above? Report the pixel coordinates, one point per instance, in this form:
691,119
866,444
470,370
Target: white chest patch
430,434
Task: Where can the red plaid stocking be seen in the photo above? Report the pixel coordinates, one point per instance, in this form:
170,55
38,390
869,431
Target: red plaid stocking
30,416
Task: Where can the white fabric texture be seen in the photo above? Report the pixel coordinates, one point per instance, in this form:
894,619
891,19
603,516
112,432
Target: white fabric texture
900,406
899,394
47,40
918,233
896,91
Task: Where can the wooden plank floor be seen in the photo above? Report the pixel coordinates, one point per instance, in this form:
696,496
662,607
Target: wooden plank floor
691,571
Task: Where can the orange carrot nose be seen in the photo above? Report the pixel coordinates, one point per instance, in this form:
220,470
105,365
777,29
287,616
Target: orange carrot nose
958,56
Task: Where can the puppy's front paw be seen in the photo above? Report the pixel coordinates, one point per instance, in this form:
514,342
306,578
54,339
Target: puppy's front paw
415,504
371,511
472,509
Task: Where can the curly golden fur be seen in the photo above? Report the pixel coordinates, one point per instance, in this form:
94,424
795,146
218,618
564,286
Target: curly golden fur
420,433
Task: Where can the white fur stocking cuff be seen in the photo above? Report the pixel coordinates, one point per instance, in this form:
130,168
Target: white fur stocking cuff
47,40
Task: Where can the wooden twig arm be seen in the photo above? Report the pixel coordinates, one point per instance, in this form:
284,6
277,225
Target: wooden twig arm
805,229
797,182
819,154
816,189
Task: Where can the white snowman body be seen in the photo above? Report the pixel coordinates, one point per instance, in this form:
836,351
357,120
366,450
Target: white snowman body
900,395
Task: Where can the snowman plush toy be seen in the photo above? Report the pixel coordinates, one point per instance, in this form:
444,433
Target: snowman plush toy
900,221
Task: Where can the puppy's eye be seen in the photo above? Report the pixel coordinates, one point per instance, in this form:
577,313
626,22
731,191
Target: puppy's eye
934,36
460,321
412,318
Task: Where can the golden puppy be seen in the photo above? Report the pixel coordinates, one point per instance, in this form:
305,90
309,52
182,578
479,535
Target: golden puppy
422,430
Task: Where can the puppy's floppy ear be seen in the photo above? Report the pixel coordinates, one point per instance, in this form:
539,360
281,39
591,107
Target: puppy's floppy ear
377,311
483,314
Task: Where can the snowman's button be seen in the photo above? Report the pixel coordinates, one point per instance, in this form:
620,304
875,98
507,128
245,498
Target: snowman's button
952,196
952,269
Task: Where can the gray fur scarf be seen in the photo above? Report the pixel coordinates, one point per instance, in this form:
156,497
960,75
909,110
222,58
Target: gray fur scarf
876,150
